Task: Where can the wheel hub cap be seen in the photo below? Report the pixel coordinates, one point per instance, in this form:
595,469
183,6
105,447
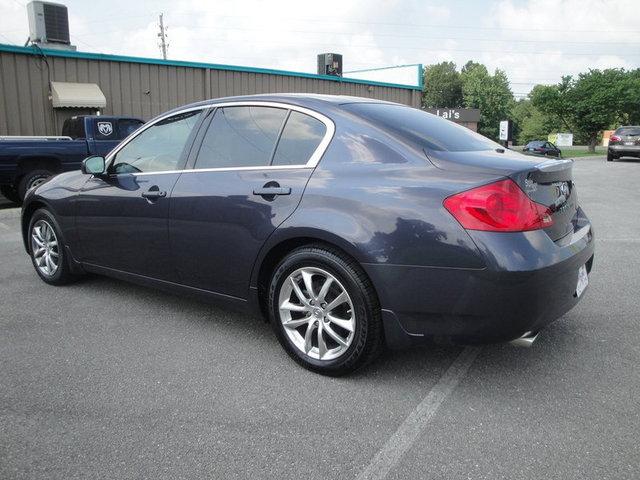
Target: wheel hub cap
44,248
322,333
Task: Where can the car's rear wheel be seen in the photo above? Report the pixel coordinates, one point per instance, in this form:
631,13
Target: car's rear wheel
610,157
31,180
324,311
46,248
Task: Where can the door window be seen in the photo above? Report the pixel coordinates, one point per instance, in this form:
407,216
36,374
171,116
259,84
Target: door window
301,136
243,136
158,148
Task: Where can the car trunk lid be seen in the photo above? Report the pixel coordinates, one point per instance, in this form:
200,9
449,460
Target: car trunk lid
549,183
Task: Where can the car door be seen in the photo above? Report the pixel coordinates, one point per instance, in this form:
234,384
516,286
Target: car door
250,170
121,217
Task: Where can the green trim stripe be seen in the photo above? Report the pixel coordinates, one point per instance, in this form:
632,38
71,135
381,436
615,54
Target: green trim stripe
179,63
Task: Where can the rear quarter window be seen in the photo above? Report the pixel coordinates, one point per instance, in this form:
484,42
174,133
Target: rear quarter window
105,130
301,136
427,130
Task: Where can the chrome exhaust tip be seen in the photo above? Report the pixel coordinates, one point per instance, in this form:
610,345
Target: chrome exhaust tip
525,340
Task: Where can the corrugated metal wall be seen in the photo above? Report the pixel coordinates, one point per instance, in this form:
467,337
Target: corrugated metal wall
145,90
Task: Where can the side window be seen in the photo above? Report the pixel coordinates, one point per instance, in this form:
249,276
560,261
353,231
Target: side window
158,148
127,126
105,130
301,136
241,137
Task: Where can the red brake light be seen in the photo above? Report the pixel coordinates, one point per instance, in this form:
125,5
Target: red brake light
498,207
614,138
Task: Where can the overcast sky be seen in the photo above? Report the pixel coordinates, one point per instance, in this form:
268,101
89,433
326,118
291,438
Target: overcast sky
534,41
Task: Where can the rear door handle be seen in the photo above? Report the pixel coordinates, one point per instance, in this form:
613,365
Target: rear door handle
272,191
154,194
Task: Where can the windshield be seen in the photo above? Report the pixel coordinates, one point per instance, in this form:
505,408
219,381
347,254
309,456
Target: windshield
425,129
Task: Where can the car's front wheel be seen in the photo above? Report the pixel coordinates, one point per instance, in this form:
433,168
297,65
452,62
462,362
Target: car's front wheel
46,247
324,311
610,157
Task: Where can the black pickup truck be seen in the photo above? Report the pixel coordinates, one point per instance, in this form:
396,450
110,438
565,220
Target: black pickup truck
28,161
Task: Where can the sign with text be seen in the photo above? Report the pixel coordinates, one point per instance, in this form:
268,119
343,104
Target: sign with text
504,133
456,114
561,139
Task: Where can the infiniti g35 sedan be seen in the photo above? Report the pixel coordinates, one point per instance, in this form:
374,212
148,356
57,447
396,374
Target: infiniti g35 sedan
348,223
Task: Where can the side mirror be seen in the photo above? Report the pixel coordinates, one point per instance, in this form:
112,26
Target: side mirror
93,166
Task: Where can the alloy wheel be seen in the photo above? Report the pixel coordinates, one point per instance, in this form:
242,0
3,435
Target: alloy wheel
45,248
317,313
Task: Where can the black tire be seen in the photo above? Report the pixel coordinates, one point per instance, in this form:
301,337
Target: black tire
367,340
62,274
30,179
610,157
10,193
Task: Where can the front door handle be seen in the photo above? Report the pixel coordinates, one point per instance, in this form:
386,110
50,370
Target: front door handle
154,194
268,191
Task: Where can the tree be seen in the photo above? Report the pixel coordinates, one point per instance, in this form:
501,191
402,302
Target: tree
490,93
595,101
442,86
529,123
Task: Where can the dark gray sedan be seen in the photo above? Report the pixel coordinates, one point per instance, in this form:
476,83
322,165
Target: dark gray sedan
624,142
348,223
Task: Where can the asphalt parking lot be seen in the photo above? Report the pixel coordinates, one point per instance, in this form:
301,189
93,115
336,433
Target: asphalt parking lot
102,379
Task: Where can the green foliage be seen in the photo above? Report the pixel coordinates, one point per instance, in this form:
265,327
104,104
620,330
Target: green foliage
442,86
490,93
529,123
595,101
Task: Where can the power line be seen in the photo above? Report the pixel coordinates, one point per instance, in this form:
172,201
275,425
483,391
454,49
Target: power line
333,20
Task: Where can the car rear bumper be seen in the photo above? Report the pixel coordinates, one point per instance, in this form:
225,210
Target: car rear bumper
630,150
529,282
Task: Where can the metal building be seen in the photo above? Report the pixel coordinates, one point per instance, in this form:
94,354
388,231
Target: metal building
40,88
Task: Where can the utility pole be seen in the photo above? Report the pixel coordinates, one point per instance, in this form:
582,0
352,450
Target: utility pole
162,34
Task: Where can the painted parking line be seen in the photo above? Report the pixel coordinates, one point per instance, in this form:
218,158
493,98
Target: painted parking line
406,435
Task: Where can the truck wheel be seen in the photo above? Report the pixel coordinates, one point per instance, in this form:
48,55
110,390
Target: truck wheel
32,179
10,193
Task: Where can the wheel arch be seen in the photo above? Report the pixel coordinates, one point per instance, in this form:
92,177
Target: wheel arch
279,246
27,212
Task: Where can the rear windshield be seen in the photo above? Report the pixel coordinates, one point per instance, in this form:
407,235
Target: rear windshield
536,143
628,131
427,130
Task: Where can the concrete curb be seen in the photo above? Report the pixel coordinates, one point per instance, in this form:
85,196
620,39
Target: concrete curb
10,213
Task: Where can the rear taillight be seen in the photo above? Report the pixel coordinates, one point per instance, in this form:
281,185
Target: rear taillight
498,207
614,138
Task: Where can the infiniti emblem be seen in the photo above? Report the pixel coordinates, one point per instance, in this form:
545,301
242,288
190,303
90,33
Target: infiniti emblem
563,189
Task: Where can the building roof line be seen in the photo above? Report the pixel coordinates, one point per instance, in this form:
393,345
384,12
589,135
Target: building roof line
189,64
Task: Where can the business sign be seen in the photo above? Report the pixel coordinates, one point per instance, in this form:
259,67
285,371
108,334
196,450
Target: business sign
504,130
561,139
456,114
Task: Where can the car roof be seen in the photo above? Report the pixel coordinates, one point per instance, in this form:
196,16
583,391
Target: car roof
309,100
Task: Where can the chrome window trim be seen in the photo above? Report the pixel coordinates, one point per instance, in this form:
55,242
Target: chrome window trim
311,163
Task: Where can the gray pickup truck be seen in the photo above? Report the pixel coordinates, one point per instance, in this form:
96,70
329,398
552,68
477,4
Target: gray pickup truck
28,161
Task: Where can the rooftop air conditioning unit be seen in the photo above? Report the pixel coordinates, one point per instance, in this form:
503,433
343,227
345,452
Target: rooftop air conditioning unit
330,64
49,25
